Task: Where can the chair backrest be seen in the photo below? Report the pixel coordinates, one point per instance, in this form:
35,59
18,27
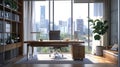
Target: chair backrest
54,35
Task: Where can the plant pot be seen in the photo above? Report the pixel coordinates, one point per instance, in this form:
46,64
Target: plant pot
99,50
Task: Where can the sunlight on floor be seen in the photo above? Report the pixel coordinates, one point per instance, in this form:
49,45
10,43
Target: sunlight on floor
97,59
93,58
46,57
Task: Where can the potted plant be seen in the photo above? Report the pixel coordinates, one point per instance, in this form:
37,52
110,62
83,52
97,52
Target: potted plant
99,29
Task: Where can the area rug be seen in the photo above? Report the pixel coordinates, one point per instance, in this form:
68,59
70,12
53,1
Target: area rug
34,60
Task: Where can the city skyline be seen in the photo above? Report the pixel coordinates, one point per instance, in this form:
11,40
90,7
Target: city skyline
64,26
63,12
77,25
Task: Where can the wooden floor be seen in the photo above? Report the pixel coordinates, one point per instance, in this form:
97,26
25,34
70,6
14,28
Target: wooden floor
97,60
92,58
61,65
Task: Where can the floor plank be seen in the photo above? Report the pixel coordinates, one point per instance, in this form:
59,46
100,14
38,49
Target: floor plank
98,62
61,65
93,58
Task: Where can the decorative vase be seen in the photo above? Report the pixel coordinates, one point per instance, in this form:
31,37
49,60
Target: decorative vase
99,50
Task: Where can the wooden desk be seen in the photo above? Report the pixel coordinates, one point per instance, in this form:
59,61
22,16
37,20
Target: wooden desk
48,43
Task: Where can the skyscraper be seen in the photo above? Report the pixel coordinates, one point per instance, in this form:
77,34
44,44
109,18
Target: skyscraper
63,26
79,25
69,26
42,16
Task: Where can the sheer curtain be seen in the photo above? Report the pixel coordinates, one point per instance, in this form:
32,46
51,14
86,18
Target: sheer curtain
28,19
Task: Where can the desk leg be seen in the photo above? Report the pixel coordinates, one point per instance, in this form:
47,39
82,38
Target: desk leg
32,51
27,51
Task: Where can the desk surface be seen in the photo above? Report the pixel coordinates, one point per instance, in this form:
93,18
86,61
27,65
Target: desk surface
53,42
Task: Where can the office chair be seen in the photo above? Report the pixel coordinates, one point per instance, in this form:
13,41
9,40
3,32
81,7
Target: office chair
56,50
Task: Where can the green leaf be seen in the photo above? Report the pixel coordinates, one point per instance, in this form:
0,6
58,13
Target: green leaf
99,27
90,20
97,37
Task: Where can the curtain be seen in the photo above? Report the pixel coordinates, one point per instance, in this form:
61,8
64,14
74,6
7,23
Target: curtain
28,19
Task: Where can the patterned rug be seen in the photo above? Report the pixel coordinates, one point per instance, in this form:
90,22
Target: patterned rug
58,60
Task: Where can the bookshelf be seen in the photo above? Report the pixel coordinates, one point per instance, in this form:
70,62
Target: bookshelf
11,29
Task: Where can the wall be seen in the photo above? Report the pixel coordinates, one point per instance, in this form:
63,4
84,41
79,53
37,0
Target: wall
114,21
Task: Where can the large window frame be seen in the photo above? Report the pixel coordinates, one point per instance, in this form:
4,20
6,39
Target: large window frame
51,10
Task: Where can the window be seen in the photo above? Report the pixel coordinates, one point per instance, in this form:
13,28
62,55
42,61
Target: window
68,17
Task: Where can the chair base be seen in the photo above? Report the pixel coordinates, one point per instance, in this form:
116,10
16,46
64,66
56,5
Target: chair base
56,55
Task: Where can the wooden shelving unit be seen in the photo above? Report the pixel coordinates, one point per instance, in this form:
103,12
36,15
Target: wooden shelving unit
11,29
10,46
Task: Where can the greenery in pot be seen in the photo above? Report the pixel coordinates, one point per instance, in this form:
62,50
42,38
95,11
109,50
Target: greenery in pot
11,4
99,28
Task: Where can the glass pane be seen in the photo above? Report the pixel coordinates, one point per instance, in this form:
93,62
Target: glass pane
59,18
96,12
80,17
40,25
41,20
51,14
62,18
80,23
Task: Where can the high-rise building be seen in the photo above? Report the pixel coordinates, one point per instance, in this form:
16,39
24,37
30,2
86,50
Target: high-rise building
69,26
63,26
42,16
79,25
